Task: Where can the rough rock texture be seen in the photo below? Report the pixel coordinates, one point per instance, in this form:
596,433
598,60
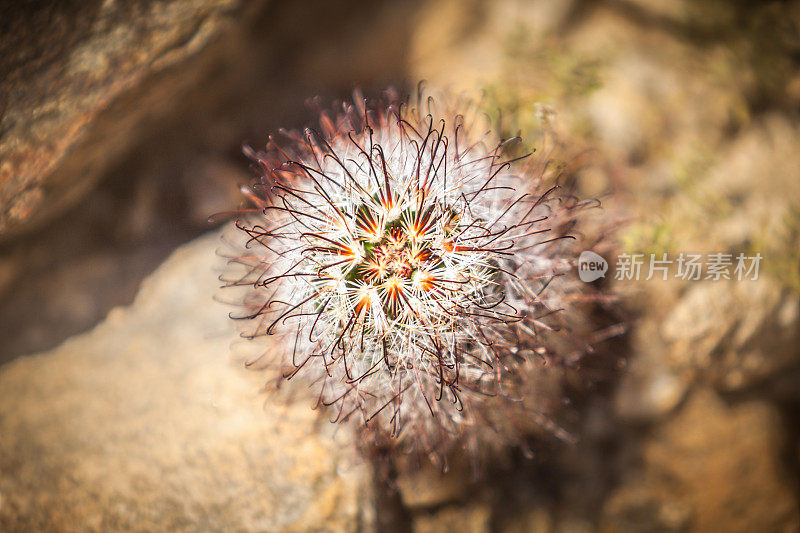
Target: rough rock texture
756,175
145,424
734,334
419,492
79,87
712,467
472,519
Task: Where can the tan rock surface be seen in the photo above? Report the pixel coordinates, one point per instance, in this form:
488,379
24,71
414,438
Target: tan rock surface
712,467
735,334
78,88
146,424
475,518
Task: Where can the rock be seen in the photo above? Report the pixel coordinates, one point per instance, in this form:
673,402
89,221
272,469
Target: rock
674,11
426,486
81,82
735,334
649,389
711,467
145,423
462,49
540,520
755,184
534,520
659,100
639,510
473,518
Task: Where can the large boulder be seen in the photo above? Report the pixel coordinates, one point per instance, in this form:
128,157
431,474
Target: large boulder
147,424
81,81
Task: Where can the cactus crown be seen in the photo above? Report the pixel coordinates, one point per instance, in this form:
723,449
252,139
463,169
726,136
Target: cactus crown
406,265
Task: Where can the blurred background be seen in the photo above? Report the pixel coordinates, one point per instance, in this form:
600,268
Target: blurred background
121,127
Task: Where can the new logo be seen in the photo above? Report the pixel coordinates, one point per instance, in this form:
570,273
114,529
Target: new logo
591,266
